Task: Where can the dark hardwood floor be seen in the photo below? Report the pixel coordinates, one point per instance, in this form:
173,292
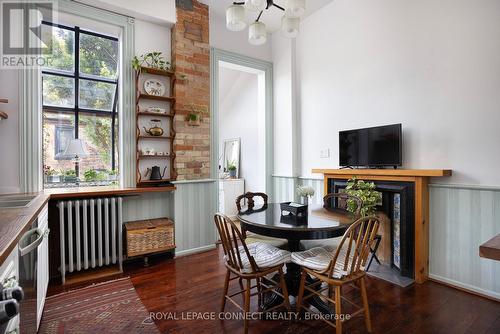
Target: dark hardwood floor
194,284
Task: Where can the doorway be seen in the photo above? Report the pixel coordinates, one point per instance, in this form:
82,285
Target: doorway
242,142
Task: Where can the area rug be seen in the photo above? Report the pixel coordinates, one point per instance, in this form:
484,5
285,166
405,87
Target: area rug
110,307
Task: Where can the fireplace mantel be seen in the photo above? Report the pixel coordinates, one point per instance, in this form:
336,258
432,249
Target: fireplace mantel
420,177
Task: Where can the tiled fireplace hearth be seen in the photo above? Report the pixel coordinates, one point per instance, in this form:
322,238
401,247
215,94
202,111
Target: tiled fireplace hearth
406,204
398,202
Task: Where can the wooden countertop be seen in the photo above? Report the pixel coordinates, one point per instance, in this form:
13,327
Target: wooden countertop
386,172
491,249
62,193
14,222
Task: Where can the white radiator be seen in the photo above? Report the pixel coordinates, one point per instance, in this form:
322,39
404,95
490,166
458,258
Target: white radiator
90,234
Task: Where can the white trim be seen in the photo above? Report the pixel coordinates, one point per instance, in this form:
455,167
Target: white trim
195,250
465,286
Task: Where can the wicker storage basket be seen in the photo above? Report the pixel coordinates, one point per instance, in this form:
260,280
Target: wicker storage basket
149,236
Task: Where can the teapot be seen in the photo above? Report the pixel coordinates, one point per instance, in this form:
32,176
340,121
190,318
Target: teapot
155,174
155,129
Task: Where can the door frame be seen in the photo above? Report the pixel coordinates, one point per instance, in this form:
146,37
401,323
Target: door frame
216,56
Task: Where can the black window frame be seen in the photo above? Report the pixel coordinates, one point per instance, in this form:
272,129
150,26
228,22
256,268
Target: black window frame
76,76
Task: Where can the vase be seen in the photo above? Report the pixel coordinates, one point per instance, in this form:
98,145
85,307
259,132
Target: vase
232,173
304,200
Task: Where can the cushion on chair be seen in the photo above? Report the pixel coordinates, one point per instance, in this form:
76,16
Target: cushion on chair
265,256
333,243
318,259
253,238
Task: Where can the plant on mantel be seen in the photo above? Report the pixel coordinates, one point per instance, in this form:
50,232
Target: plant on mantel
366,192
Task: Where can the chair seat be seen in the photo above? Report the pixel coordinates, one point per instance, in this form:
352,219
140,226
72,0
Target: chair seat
319,258
333,243
265,255
276,242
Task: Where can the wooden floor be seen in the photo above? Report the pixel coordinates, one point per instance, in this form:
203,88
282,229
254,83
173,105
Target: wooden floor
194,284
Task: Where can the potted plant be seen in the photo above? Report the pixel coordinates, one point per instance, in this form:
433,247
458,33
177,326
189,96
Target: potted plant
51,176
367,193
194,119
151,59
112,175
305,192
90,175
70,176
231,168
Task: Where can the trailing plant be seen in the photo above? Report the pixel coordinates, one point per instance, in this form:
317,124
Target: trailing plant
366,192
151,59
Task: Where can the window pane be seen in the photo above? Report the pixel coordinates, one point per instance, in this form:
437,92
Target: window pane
58,129
60,52
58,91
95,131
98,56
96,95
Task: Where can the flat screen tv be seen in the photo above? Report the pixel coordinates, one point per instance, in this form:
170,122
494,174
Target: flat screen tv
371,147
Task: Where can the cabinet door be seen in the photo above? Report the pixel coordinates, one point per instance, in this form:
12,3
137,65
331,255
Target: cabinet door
43,265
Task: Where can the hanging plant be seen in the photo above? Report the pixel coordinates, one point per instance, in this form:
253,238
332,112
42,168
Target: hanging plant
151,59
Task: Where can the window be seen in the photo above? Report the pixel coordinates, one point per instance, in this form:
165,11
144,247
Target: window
80,97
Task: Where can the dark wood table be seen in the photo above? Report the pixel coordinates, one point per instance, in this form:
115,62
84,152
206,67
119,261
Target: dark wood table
319,224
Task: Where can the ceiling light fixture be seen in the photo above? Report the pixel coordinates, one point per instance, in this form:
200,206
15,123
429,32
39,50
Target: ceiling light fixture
257,33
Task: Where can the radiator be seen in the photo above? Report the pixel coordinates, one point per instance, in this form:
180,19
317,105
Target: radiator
90,234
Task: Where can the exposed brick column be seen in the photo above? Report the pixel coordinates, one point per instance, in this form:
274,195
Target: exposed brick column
191,57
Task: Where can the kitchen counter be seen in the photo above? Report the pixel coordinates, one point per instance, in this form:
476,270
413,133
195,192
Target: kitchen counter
14,222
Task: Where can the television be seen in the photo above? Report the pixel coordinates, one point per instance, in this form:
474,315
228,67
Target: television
371,147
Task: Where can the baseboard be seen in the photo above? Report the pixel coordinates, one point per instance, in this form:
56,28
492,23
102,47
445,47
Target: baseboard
195,250
466,287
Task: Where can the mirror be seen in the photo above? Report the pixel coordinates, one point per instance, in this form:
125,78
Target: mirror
232,157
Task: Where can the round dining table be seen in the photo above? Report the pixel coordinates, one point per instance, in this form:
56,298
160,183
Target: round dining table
319,223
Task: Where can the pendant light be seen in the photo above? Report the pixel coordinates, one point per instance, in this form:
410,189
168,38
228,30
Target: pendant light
256,5
257,34
295,8
235,18
290,26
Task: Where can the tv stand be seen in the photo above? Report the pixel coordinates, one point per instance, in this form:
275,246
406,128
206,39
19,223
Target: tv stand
346,167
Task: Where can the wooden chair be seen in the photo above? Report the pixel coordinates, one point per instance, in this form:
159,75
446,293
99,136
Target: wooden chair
252,237
336,203
249,196
252,262
337,268
340,203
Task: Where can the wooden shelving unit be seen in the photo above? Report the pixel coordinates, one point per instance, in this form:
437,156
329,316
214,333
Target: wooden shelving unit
169,132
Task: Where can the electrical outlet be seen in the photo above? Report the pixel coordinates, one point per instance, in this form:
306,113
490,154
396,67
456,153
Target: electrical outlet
324,154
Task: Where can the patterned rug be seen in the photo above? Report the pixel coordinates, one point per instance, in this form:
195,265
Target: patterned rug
110,307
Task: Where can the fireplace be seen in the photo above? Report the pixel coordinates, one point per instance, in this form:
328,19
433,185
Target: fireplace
398,203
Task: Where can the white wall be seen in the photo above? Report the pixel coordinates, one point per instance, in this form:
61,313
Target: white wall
152,37
237,42
431,65
239,118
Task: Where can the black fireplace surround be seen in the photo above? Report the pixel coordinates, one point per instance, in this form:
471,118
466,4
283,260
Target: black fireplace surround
406,190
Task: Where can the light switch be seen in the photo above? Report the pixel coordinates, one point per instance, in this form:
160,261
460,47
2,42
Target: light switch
324,154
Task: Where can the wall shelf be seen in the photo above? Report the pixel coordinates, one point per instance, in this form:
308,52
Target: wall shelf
146,161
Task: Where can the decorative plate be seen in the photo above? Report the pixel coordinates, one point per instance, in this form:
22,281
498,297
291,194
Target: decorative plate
154,87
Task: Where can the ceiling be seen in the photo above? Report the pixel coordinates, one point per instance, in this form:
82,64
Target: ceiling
271,17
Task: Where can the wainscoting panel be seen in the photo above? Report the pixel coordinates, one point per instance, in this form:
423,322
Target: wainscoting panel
194,209
285,188
461,219
148,206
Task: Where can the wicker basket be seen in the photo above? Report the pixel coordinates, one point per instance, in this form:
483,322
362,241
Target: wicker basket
149,236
